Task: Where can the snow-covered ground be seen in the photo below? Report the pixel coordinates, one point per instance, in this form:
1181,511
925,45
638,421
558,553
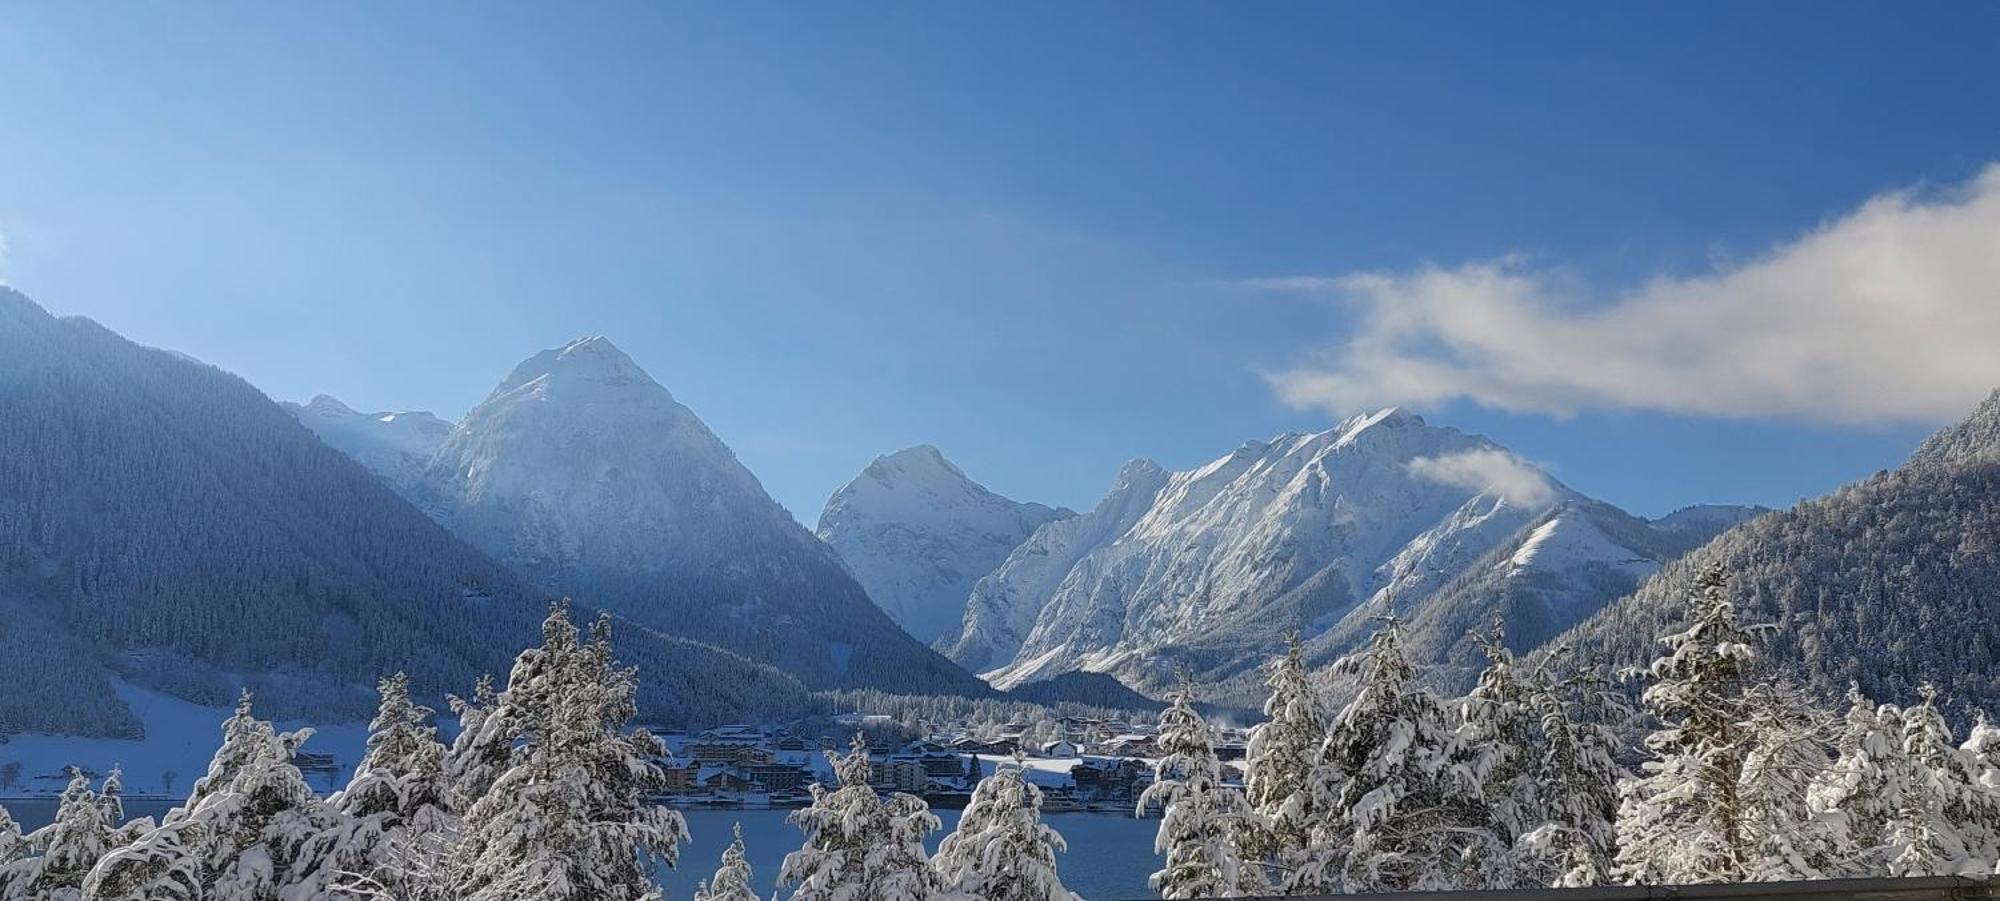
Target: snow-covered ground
180,738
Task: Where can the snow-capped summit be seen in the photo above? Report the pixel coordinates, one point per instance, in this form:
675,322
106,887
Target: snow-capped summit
1314,532
586,365
585,474
395,446
917,532
578,461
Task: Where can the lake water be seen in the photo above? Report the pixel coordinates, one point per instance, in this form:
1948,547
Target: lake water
1109,856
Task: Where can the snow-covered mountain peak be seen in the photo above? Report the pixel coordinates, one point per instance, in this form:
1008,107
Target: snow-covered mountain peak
1137,471
579,461
590,368
917,532
585,474
922,462
394,445
1387,417
327,404
914,485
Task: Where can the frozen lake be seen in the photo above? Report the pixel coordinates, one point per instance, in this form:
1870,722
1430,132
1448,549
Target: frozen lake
1109,855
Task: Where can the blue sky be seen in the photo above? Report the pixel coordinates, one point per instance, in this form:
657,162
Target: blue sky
1049,238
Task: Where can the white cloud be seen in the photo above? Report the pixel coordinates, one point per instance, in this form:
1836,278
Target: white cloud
1488,470
1889,313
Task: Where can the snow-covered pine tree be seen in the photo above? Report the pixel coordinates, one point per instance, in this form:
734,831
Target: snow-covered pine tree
1788,839
1862,789
111,797
16,867
1280,761
1982,748
1202,820
732,878
1500,741
568,819
111,800
396,801
1400,809
1983,743
1577,774
69,846
1683,820
401,774
250,831
13,846
1001,850
484,746
858,845
1948,820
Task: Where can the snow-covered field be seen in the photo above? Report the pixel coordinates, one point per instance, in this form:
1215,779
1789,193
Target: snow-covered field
180,738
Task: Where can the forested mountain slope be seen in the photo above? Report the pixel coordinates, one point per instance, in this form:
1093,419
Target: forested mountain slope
1891,582
1090,689
1540,581
163,522
585,475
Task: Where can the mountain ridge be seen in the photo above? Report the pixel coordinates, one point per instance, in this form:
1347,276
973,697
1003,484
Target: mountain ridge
164,524
1210,567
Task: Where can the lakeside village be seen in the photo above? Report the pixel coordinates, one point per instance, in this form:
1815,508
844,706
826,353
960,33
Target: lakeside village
1087,764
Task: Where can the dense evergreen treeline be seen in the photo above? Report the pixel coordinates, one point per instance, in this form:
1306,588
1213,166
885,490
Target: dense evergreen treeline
1093,689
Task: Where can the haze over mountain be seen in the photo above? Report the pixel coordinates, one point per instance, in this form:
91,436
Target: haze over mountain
586,476
395,446
1890,582
1211,567
164,524
917,532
